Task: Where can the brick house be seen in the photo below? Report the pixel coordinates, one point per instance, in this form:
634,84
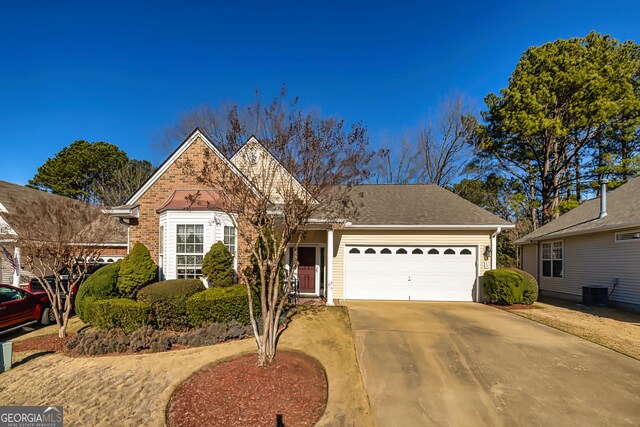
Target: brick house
418,242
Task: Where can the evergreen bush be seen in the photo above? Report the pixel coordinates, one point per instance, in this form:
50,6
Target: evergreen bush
217,266
102,284
136,271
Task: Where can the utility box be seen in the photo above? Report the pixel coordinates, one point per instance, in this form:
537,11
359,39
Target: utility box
6,354
596,296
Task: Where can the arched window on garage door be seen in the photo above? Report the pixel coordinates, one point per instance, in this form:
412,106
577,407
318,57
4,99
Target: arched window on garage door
433,252
417,252
354,251
385,251
401,251
370,251
449,252
465,252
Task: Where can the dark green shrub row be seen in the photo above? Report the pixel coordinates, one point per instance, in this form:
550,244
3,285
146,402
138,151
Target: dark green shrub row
102,284
509,286
160,291
168,301
94,342
119,313
220,305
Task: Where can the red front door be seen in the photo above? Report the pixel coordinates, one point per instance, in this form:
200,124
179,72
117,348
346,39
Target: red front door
307,270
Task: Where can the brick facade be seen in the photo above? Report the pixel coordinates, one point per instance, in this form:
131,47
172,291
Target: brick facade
182,174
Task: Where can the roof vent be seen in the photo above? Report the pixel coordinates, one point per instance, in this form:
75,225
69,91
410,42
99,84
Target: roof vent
603,198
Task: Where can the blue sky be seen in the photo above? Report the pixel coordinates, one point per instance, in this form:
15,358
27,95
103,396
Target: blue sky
122,71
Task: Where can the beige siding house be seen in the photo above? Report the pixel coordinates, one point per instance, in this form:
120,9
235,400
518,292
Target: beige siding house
596,244
407,242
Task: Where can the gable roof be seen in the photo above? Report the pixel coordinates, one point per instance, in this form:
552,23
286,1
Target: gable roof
622,212
418,205
13,194
264,158
197,133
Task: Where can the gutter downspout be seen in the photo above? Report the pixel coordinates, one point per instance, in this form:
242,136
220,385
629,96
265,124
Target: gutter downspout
603,198
494,249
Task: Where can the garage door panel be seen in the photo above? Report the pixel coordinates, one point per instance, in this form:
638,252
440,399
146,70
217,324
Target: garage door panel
412,275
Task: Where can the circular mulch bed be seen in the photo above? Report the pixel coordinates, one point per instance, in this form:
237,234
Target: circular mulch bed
43,343
292,391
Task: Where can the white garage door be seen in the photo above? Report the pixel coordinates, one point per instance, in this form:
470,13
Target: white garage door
427,273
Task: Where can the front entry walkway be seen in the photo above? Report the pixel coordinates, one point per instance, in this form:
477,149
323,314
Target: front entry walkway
462,364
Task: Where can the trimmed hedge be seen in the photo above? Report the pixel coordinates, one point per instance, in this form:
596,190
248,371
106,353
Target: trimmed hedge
102,284
159,291
220,305
530,291
168,301
120,313
509,286
217,266
137,270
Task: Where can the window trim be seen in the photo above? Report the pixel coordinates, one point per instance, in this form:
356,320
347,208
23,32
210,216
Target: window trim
234,253
179,254
551,243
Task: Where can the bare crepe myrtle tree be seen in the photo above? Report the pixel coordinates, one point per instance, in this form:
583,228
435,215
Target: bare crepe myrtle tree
58,237
301,173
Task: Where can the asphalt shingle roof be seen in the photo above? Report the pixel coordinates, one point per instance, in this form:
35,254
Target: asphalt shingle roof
13,194
623,211
418,205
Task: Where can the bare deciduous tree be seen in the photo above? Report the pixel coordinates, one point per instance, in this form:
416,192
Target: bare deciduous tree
123,182
437,153
300,174
57,237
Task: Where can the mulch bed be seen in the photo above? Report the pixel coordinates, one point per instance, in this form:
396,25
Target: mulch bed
292,391
42,343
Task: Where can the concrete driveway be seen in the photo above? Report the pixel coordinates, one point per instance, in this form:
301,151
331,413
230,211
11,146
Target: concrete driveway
465,364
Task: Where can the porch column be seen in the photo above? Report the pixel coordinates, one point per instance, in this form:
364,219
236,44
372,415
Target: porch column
16,272
329,279
494,250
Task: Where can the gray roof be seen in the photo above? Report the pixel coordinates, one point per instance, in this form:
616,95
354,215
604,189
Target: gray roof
623,211
13,194
431,205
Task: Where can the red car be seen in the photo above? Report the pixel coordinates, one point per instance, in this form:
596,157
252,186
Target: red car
18,307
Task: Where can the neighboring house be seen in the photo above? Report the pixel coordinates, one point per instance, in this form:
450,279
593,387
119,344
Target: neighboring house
596,244
11,195
408,242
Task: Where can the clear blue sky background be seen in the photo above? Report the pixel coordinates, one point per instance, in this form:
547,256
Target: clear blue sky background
120,72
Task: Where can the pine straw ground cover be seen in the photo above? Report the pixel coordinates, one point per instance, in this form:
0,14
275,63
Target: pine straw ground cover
292,391
135,389
609,327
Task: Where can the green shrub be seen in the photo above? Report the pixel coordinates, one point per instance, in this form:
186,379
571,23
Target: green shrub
168,301
217,266
503,286
169,288
136,271
102,284
530,291
119,313
220,305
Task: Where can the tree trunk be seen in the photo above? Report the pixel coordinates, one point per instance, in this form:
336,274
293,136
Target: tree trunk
578,178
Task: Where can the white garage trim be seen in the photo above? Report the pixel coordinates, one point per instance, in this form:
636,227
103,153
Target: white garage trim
412,272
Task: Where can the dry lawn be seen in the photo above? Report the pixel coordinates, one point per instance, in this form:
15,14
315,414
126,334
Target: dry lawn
613,328
134,390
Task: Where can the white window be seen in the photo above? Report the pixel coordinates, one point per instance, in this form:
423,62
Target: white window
189,250
552,259
230,239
